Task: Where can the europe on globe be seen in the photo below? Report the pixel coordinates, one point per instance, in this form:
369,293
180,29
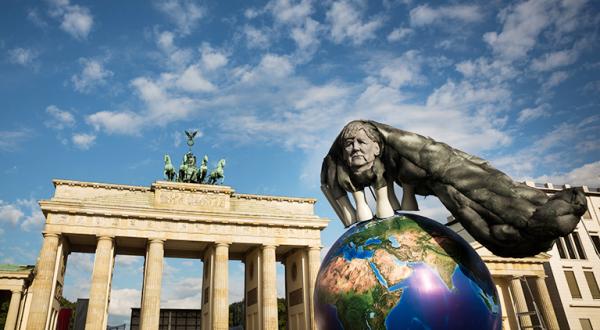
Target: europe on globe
404,272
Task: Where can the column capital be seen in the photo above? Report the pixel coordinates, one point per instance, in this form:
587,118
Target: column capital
48,234
268,246
19,290
156,240
105,238
222,244
314,247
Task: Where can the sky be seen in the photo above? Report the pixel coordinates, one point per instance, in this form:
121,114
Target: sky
101,90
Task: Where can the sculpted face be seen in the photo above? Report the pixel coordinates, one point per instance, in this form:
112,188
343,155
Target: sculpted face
360,151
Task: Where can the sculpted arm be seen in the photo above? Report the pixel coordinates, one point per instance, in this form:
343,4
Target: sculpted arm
509,218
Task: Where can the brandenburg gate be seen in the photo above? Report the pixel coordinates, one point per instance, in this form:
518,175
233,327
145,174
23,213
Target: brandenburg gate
168,219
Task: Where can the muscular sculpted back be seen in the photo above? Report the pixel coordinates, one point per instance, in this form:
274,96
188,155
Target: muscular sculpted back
508,217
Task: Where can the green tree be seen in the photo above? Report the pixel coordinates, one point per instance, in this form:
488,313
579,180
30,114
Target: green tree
236,313
3,312
282,313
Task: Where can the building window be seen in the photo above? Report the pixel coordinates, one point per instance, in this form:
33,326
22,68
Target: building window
574,248
569,246
596,241
591,281
572,282
578,246
586,324
561,248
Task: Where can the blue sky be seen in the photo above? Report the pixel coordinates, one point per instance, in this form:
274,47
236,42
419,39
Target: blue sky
100,91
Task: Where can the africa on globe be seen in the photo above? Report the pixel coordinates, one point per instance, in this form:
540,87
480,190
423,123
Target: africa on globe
404,272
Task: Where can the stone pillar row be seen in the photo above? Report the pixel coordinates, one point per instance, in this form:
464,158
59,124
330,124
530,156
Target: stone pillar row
150,304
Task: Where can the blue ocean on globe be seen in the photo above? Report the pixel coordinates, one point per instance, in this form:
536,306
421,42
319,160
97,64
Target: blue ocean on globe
404,272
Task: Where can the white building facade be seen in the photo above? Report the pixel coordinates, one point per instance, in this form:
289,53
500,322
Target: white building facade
574,267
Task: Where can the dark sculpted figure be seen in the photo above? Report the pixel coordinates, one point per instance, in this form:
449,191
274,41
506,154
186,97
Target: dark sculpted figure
509,218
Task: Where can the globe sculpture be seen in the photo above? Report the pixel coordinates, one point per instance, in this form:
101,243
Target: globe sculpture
404,272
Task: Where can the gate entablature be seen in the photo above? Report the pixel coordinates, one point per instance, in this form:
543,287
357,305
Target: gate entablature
181,211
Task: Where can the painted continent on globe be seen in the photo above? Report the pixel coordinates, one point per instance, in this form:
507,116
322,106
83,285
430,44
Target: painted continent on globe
404,272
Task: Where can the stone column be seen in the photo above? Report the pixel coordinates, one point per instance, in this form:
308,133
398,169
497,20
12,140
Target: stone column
501,300
150,313
42,284
13,310
269,288
545,304
314,262
220,305
98,304
519,301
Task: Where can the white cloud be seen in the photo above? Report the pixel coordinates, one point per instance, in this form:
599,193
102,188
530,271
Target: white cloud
59,119
123,300
320,95
251,13
36,18
127,123
464,93
564,141
399,34
192,81
271,66
592,86
521,26
25,212
494,71
256,38
35,218
553,60
11,140
306,35
129,261
588,174
555,79
83,141
347,23
162,106
402,71
212,59
295,16
83,263
290,11
425,15
175,56
529,114
74,19
22,56
93,74
77,21
10,213
185,14
182,292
